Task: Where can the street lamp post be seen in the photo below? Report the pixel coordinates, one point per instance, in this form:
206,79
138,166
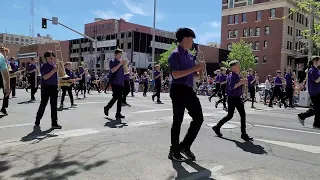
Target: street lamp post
153,36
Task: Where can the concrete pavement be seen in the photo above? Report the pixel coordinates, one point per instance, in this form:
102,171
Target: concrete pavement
90,146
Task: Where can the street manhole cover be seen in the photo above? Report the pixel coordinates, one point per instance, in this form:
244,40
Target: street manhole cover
225,126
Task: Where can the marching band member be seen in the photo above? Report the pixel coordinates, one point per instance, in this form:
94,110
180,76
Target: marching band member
234,92
145,79
4,80
82,82
136,82
183,69
32,68
13,80
66,88
277,91
93,81
49,90
222,88
132,80
117,82
252,80
289,86
157,80
126,87
217,89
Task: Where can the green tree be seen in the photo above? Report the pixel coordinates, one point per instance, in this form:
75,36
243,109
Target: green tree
242,52
163,61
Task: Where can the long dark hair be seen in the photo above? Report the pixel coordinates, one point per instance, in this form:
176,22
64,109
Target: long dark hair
313,59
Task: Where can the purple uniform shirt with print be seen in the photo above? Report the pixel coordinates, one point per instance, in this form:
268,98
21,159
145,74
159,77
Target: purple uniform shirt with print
155,74
32,67
288,78
179,60
251,78
117,76
217,79
313,87
232,80
45,69
127,77
277,82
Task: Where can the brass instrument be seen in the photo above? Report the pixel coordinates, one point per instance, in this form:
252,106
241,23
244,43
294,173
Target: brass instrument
125,66
200,57
243,75
14,74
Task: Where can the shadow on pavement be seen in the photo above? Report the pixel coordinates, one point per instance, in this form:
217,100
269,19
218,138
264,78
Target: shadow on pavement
115,123
202,173
39,135
60,167
62,108
248,146
26,102
4,165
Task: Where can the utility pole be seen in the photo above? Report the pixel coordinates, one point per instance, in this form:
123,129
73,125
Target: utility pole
311,31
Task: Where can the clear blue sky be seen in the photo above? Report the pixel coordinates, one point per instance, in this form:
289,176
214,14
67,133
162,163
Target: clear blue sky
203,17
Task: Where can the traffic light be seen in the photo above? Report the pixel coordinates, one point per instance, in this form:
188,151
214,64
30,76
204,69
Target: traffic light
44,23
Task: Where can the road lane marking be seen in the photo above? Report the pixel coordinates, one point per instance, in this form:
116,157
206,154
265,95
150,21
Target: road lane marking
151,110
16,125
301,147
286,129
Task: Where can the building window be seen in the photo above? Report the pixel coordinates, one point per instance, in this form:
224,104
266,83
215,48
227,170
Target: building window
289,45
129,45
230,19
252,32
244,17
121,46
235,33
264,59
245,32
230,34
290,14
129,35
250,45
249,2
290,29
256,58
307,22
273,13
236,19
229,47
257,45
265,44
122,35
257,31
258,16
267,30
231,3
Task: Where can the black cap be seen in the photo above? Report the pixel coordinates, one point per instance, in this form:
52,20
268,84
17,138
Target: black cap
49,54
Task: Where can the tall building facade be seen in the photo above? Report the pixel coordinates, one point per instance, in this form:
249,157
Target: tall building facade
6,38
274,33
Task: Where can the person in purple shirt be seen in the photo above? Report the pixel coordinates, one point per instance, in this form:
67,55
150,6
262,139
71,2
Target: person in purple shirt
234,92
157,80
251,86
289,86
145,81
314,92
182,68
33,78
13,80
126,87
65,89
49,90
277,90
217,86
223,83
82,82
117,83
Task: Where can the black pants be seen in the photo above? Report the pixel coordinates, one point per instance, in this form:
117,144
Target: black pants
277,91
315,111
183,97
66,89
267,93
223,97
48,92
5,101
33,85
13,84
252,92
82,86
116,96
158,90
235,103
131,86
97,86
289,94
106,88
145,89
125,92
216,90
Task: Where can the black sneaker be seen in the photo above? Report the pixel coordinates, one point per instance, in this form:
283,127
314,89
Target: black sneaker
209,99
246,137
159,102
216,105
217,131
316,127
74,105
106,111
188,154
4,111
176,157
120,116
301,119
56,126
152,98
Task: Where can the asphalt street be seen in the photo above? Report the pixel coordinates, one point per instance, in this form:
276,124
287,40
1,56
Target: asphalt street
92,146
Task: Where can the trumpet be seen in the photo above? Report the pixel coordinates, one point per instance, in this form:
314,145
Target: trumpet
200,57
14,74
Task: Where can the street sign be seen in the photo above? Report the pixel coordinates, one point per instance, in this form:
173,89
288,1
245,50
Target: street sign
55,20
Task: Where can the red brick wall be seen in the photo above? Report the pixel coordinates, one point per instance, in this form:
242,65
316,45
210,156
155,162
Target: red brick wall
109,27
14,49
211,54
274,39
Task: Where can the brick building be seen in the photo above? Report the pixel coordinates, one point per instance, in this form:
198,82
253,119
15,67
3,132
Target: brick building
276,41
14,49
37,50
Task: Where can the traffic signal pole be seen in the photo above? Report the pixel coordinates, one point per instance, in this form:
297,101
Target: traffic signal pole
88,37
311,32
